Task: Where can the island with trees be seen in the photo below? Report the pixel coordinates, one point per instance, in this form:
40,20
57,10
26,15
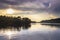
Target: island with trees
14,22
57,20
51,22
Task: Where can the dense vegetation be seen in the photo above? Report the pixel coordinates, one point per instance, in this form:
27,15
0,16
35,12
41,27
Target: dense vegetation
14,22
57,20
52,22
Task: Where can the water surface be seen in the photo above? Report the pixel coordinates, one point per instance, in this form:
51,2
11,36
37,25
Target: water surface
37,31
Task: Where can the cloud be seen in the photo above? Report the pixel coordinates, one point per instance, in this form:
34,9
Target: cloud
14,2
33,5
26,3
7,2
55,6
3,6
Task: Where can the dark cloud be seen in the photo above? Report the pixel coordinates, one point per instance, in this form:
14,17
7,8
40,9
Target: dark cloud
46,4
55,6
56,9
14,2
3,6
8,2
30,9
19,2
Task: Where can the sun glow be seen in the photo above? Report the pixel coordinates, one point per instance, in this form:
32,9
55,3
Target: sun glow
10,11
9,34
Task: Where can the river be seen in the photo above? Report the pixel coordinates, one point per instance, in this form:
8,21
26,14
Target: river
37,31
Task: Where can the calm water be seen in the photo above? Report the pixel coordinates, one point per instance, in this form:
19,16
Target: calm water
35,32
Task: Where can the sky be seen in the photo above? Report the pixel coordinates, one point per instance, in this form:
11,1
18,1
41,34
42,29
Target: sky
36,10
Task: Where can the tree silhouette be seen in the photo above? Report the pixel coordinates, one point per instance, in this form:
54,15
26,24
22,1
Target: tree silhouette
14,22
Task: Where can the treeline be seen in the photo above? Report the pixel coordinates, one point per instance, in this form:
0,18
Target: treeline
57,20
16,22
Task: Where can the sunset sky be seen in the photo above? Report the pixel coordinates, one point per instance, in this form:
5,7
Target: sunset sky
36,10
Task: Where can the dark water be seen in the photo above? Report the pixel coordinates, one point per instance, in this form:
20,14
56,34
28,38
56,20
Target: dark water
35,32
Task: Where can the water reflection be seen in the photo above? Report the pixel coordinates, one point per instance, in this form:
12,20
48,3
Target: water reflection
26,26
57,25
40,27
31,27
11,30
18,28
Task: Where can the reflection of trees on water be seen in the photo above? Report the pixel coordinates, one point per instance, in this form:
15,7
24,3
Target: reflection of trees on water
52,24
14,22
26,26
